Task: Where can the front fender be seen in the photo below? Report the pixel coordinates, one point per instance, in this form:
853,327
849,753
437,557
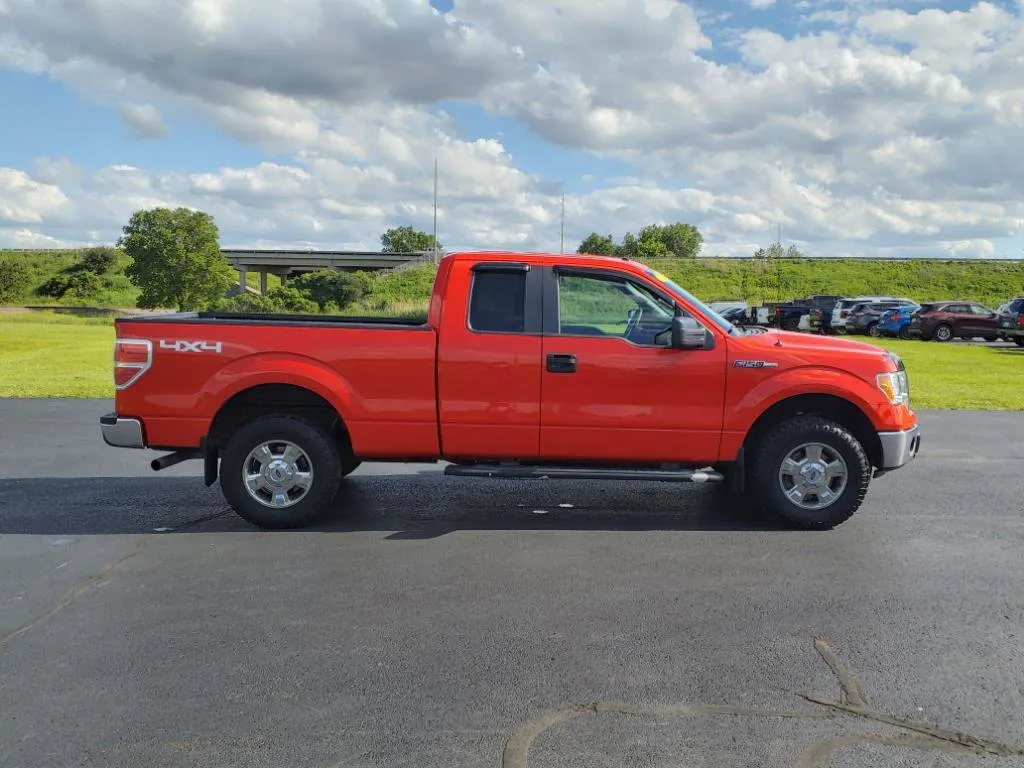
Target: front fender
812,380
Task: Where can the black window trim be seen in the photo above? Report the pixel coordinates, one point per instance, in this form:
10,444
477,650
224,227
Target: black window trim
532,299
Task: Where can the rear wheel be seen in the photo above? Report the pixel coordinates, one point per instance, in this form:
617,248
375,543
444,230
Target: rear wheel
282,471
810,473
905,333
874,330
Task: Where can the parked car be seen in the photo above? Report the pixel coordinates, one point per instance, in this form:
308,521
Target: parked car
1011,321
945,320
843,307
618,374
864,317
896,322
795,315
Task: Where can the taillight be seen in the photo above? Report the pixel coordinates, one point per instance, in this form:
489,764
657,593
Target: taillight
844,312
1020,321
132,358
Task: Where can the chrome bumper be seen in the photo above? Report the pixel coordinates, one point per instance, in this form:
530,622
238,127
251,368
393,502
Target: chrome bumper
899,448
121,433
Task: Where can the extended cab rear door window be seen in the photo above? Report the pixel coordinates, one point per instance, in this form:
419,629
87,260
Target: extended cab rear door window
504,298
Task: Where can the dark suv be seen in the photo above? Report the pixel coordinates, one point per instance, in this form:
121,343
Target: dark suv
1011,321
945,320
864,317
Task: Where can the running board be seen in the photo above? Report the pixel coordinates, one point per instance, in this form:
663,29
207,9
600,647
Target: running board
527,472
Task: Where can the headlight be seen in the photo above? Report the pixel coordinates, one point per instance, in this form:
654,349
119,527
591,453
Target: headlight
895,386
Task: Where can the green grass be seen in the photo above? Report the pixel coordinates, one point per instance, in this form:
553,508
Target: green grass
49,355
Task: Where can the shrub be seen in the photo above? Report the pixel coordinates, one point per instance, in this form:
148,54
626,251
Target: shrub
330,287
275,302
99,260
73,283
15,279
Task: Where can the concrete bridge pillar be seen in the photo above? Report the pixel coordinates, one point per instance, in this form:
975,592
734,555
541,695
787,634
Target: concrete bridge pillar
242,276
263,282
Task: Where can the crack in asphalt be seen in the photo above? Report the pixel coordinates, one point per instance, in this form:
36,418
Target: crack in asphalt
75,592
817,755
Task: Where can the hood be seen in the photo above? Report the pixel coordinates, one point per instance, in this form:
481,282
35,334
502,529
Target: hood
788,348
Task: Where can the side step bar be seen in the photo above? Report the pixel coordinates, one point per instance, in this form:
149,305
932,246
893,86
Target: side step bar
528,472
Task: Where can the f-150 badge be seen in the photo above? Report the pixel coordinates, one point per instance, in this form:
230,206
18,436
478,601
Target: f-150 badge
181,345
755,364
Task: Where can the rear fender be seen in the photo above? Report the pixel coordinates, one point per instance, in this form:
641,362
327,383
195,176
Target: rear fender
278,368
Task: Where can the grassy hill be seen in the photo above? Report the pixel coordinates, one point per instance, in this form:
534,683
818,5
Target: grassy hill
711,279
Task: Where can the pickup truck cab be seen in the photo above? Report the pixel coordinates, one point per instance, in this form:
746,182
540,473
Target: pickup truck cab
526,366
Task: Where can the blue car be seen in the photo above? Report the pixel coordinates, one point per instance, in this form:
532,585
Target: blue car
896,322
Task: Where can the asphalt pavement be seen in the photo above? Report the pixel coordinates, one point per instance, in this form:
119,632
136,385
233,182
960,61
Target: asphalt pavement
447,622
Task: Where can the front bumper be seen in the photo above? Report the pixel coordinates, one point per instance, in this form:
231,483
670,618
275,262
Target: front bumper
121,433
899,448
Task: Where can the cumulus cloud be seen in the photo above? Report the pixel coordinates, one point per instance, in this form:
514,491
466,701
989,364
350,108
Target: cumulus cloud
24,200
879,125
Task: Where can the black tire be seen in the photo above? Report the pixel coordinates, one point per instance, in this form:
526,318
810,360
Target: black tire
1019,341
784,439
905,333
942,333
991,339
873,330
322,455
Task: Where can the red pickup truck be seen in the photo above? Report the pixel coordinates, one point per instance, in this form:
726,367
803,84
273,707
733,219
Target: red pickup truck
527,366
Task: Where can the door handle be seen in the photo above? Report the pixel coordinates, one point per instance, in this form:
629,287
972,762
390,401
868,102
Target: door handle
562,363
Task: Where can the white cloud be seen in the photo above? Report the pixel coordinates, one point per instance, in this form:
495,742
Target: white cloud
888,126
24,200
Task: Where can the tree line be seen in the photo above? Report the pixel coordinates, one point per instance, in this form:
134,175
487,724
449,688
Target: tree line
174,260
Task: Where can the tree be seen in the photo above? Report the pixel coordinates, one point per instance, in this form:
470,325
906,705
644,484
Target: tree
598,245
176,258
679,241
99,260
407,240
775,251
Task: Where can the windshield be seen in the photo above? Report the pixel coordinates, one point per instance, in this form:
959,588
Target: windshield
716,318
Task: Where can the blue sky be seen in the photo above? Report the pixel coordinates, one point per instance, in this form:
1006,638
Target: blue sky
862,125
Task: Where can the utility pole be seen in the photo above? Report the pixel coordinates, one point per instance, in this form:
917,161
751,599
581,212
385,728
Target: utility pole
561,237
435,211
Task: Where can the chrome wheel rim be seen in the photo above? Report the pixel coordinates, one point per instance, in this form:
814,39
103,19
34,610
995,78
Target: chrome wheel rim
943,333
277,474
813,476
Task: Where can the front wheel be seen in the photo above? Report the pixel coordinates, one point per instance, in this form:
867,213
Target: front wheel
810,473
943,333
874,330
281,472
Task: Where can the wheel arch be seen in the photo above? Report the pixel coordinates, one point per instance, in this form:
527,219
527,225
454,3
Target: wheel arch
269,399
832,407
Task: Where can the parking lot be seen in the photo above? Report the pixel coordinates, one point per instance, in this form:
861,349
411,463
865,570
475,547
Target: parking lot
499,623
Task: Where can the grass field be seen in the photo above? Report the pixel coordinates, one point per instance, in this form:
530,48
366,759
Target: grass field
44,354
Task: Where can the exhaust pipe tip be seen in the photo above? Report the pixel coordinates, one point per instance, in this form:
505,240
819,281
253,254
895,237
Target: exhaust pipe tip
163,462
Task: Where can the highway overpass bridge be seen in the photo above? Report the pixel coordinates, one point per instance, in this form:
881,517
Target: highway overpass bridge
287,263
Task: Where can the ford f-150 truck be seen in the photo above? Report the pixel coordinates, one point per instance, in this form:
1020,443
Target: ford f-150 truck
526,366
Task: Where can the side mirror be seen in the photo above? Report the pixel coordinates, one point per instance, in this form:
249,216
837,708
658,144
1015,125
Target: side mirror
687,333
